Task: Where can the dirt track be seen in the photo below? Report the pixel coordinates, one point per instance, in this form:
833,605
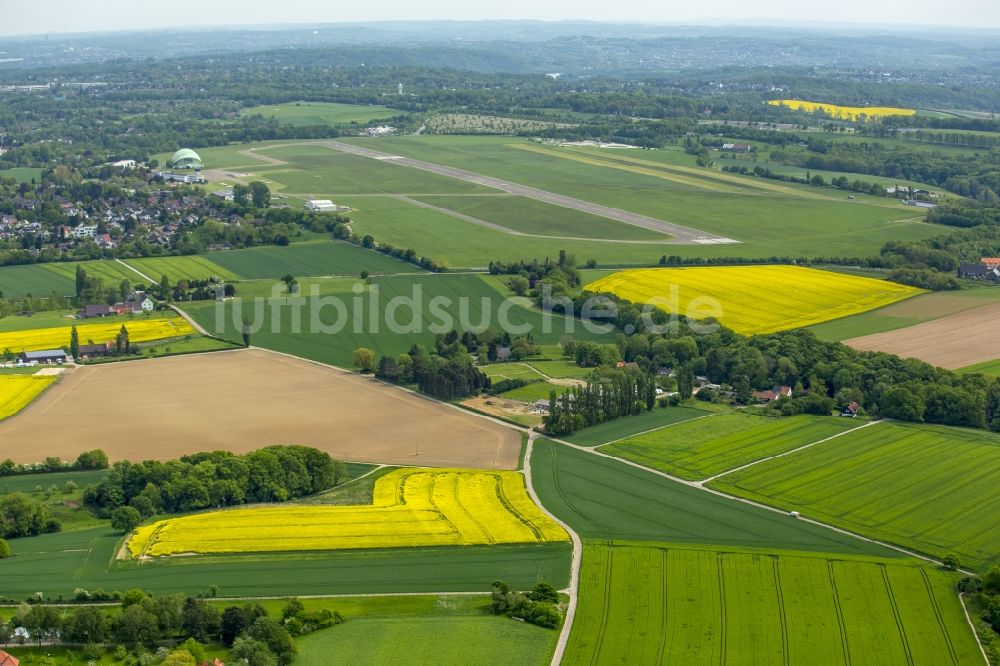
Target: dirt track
951,342
683,235
243,400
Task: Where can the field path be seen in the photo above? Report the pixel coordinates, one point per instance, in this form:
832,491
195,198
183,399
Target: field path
137,272
683,235
574,574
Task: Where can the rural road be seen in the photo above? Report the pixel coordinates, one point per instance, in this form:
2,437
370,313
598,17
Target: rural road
682,235
574,575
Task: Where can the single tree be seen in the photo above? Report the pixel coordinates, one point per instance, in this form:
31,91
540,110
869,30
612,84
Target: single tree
951,561
260,194
291,283
364,359
74,344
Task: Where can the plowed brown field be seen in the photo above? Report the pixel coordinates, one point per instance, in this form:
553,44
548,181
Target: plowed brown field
244,400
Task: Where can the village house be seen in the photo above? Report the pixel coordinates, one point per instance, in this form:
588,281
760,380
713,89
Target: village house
773,395
95,350
851,410
92,311
7,659
979,271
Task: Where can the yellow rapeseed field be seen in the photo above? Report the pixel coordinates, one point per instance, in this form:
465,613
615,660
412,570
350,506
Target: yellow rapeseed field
754,299
411,507
139,330
843,112
16,391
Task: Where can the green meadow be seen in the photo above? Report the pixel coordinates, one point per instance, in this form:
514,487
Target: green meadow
322,113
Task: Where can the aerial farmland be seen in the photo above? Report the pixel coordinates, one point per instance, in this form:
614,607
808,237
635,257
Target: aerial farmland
499,343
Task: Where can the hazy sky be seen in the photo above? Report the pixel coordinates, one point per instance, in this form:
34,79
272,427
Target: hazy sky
18,17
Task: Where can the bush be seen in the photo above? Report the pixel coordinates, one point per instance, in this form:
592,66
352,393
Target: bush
4,549
125,518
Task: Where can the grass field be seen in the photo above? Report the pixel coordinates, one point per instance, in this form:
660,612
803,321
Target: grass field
141,329
991,368
928,488
654,603
56,564
795,221
17,391
610,431
322,113
26,483
319,339
532,392
754,299
311,258
180,268
411,507
563,369
476,639
533,217
602,498
699,449
22,174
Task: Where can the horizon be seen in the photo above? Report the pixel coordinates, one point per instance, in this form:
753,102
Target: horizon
26,22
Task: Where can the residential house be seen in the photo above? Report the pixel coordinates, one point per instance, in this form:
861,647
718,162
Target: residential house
773,395
95,351
992,262
851,410
503,354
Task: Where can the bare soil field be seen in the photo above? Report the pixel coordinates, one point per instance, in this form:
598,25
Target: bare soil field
955,341
243,400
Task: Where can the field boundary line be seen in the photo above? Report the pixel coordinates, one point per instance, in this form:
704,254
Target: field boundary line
574,573
968,619
669,425
137,272
786,453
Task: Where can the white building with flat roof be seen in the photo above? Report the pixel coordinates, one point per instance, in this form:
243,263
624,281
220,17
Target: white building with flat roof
321,206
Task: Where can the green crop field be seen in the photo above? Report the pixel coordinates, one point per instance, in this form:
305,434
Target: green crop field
533,217
56,564
111,272
611,431
929,488
34,279
603,498
991,368
699,449
337,346
180,268
322,113
308,258
477,639
666,604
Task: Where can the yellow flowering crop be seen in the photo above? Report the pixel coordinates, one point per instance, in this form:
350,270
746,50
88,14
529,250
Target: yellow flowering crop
411,507
843,112
139,330
754,299
17,391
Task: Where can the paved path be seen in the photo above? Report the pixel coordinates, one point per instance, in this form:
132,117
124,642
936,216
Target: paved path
574,575
682,235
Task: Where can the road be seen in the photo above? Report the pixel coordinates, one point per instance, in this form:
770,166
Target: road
682,235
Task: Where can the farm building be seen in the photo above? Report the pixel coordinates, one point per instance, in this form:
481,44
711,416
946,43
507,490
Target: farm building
321,206
979,272
540,406
185,158
47,356
91,311
851,410
737,147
